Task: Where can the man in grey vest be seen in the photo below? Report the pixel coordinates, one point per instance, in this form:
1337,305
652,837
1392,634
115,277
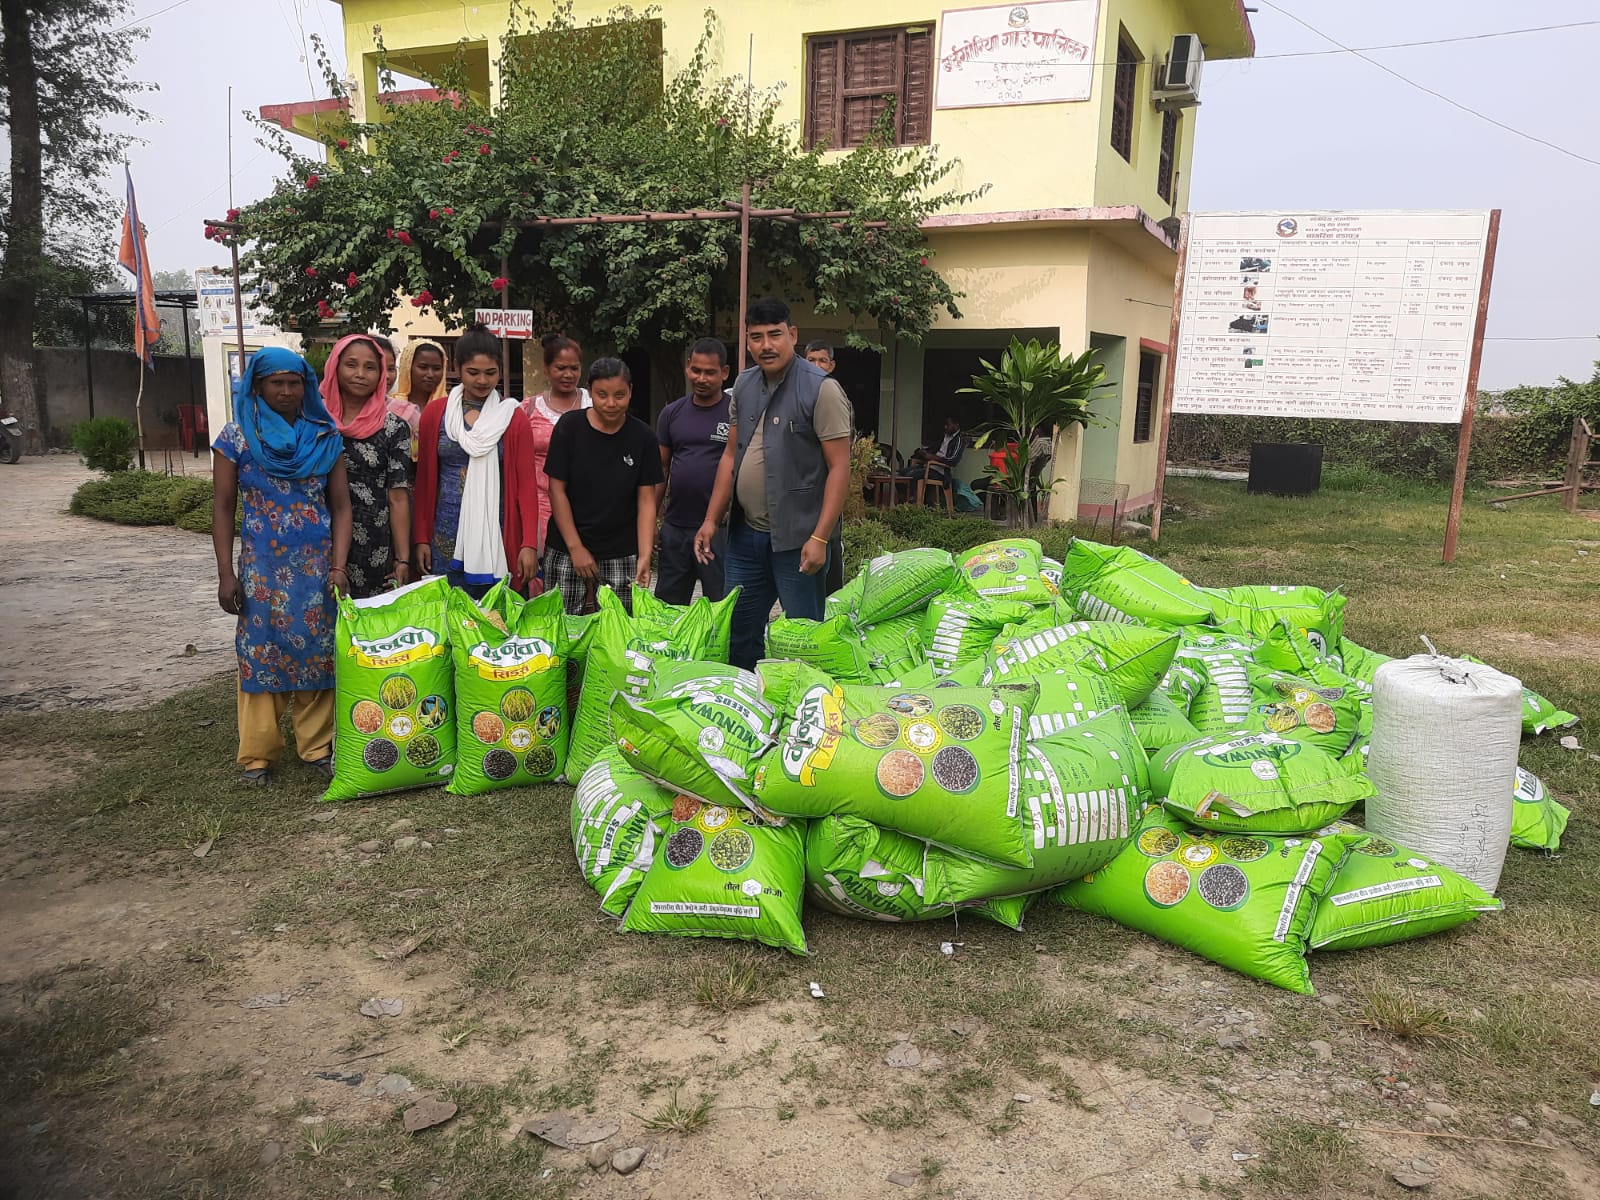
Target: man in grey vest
784,473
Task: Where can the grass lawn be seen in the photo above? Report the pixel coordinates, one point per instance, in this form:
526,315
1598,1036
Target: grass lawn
1056,1062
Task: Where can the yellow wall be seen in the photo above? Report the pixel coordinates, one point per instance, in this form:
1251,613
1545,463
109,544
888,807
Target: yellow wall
1115,276
1030,156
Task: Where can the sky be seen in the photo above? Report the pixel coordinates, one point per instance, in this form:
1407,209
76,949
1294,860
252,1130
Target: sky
1298,132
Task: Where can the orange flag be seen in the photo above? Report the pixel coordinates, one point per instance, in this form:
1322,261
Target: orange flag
132,255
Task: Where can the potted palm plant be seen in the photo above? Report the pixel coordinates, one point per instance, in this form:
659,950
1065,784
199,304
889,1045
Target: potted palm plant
1035,387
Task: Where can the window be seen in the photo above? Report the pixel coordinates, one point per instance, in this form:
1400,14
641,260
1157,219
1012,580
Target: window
1122,96
852,77
1144,407
1167,168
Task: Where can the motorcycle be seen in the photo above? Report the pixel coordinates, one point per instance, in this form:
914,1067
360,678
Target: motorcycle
10,438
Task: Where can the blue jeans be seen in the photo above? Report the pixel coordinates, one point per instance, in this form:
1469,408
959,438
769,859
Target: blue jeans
763,575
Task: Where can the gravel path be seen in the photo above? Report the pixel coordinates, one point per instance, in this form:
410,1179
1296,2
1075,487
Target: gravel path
93,614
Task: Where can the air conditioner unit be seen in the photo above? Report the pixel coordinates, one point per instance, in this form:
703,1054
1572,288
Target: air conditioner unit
1178,80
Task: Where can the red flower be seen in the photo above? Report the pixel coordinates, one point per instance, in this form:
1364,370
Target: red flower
923,261
449,212
403,237
499,283
433,214
324,309
483,149
533,158
388,234
233,214
312,181
311,272
722,122
352,280
343,145
421,298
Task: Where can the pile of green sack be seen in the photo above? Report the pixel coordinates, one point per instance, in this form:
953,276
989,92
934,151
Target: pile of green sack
959,736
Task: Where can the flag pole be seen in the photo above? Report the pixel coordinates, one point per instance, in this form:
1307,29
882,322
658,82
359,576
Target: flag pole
138,413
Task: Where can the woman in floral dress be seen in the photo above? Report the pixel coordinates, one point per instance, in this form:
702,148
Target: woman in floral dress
281,456
376,463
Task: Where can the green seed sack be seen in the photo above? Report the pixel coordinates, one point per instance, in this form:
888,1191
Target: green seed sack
1082,792
1134,658
1182,684
1224,658
1538,819
1009,569
624,651
700,733
511,690
1328,718
894,647
1255,783
580,629
1254,610
1068,697
1383,893
833,646
1538,714
1119,583
394,693
724,873
958,631
615,812
1244,901
1289,650
1360,663
847,598
896,584
1159,723
940,764
856,869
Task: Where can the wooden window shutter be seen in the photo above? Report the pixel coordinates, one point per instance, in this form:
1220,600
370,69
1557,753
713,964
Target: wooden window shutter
1167,167
1123,96
1144,409
916,99
852,78
822,90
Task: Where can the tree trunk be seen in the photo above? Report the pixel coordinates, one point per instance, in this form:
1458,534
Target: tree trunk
19,276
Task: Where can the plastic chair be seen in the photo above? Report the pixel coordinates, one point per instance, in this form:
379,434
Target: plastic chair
942,488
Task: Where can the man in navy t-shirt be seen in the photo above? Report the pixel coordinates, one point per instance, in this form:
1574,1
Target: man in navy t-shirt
693,432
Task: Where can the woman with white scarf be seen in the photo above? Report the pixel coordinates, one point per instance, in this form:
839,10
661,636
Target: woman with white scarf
475,514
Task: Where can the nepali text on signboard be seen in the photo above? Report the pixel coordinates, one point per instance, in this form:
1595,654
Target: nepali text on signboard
1016,54
1365,315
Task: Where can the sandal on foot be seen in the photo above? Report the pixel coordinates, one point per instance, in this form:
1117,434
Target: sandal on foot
255,777
322,766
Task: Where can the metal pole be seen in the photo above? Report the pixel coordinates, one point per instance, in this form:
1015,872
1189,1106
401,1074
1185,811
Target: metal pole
744,265
188,366
88,356
1167,377
505,340
238,320
1452,525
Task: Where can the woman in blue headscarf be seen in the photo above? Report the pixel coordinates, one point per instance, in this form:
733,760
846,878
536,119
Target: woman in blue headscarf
281,454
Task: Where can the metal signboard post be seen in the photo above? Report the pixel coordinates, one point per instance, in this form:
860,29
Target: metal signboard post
1364,315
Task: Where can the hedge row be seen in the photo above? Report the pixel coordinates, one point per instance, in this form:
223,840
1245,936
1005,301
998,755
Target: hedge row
145,498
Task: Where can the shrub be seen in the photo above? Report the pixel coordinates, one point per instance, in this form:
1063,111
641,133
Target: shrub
144,498
106,443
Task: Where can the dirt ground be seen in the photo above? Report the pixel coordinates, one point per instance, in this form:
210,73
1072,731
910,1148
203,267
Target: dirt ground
93,614
257,1074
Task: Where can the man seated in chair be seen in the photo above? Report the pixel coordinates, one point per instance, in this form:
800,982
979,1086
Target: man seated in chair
936,463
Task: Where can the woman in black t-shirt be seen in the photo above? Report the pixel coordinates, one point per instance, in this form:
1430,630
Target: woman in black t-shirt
604,466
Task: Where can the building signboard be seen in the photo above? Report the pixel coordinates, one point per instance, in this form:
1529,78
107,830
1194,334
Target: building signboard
1016,54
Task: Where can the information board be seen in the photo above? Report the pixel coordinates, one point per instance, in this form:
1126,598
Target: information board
1367,315
1016,54
214,290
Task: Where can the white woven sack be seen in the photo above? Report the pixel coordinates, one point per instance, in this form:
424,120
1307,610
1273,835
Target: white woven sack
1445,735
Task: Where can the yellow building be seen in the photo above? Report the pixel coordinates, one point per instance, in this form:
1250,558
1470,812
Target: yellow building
1075,116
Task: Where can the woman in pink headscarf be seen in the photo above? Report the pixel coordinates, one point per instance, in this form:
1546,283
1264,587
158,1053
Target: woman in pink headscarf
377,456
